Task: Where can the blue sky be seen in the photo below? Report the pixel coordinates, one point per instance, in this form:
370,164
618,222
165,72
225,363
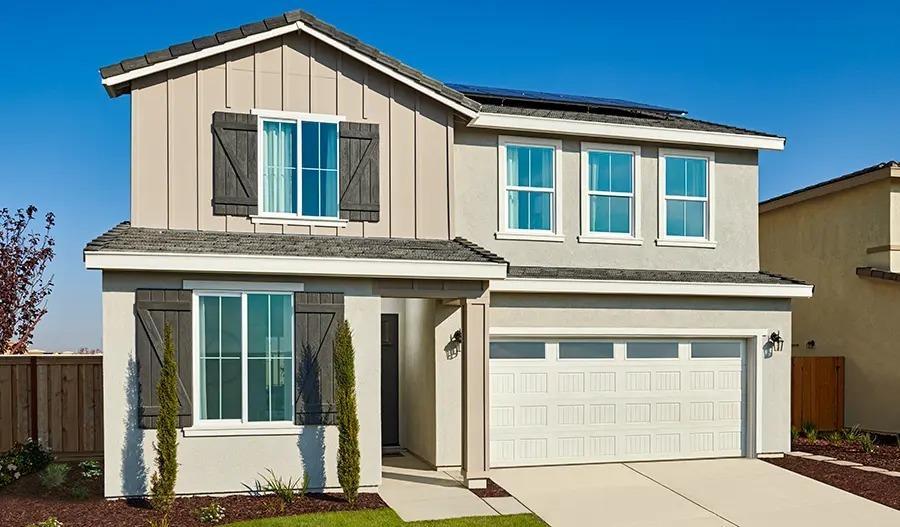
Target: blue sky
824,76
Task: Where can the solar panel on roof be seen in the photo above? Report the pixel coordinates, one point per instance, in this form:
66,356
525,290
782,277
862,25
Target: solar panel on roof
558,98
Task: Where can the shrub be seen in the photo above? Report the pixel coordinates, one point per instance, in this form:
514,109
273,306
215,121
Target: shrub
795,433
54,475
834,437
79,491
810,431
866,441
852,434
90,469
283,489
22,459
162,484
49,522
212,513
348,420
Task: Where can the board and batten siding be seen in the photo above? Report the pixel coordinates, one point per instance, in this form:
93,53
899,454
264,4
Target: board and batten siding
172,143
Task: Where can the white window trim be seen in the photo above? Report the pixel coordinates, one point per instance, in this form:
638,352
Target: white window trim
663,239
206,427
555,233
634,236
287,218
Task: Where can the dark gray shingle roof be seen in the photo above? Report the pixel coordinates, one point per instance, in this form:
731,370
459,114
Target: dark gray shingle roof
881,274
639,118
851,175
284,19
650,275
125,238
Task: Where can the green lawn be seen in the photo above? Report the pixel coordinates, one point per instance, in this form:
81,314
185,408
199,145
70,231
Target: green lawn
388,518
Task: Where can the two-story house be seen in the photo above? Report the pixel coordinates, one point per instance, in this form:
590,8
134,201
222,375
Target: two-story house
843,234
530,278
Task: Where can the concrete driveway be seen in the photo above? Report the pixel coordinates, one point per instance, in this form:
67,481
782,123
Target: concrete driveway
722,492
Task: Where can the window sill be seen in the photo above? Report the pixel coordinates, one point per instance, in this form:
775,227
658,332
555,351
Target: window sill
532,237
700,244
212,431
612,240
300,220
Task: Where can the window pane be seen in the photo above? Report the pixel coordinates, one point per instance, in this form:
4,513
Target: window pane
675,176
541,167
268,377
209,389
329,204
620,172
269,390
517,350
674,217
715,350
598,169
209,326
231,326
279,167
695,180
309,133
620,215
540,211
257,325
695,218
310,193
517,166
281,324
651,350
517,208
585,350
231,388
329,144
599,213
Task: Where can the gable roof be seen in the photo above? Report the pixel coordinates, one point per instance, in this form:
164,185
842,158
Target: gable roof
828,186
117,77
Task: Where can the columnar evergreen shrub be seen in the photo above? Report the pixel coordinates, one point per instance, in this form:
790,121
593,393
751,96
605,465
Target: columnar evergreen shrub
348,420
162,484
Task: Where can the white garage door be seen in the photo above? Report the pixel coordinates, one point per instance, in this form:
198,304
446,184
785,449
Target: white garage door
558,402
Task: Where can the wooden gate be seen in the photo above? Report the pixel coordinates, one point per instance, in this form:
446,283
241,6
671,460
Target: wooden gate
817,392
57,398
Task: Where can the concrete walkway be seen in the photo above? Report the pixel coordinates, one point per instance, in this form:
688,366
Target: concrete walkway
417,492
704,493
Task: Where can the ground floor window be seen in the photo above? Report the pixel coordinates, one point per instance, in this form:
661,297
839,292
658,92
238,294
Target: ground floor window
245,366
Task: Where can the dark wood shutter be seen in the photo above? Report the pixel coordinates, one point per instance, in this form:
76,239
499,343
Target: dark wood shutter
234,164
359,171
316,318
154,308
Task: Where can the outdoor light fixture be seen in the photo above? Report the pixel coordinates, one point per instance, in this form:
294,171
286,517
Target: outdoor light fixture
776,341
457,337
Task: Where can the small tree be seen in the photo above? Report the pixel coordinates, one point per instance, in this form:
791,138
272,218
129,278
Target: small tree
162,484
348,421
24,256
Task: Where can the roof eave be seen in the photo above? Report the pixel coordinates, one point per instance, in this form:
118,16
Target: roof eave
861,177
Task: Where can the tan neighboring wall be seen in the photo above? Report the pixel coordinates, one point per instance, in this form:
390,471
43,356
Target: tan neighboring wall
735,204
172,142
822,241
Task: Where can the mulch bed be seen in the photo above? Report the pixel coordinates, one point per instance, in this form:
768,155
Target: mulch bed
886,455
26,501
876,487
492,491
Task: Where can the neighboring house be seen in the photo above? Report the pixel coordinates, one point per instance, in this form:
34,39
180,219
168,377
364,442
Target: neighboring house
844,235
530,278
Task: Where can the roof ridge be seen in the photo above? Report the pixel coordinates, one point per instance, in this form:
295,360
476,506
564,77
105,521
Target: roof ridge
494,257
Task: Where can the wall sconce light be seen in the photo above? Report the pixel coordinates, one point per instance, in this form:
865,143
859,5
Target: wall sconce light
776,341
457,337
811,344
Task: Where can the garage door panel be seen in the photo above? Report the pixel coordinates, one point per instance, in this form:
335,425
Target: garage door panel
555,411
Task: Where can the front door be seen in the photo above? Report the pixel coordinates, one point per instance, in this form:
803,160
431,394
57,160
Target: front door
390,381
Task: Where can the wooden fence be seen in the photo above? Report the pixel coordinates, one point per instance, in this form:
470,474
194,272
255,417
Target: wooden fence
57,398
817,392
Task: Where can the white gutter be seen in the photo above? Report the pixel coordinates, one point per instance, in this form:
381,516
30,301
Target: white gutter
293,265
524,123
635,287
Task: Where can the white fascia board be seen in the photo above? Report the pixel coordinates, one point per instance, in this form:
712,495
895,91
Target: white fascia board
524,123
293,265
627,332
634,287
290,28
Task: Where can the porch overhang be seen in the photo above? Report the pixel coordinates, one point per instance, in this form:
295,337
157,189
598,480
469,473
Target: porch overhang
624,287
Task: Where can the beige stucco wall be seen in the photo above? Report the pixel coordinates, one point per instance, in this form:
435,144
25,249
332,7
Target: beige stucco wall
225,464
171,167
642,313
476,211
823,241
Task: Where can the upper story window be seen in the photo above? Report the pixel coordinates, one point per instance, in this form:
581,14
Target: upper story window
529,189
610,198
686,205
299,165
